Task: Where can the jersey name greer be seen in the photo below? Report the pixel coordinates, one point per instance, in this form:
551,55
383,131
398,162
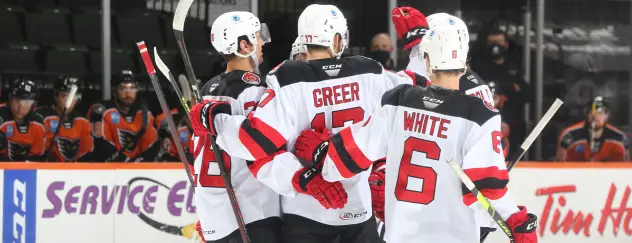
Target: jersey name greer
337,94
426,124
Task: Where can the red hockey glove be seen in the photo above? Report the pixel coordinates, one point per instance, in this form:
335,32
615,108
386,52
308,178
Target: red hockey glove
523,226
198,228
202,116
410,24
312,146
311,182
376,182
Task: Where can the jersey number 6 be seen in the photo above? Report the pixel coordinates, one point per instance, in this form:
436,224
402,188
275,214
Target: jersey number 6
410,173
338,118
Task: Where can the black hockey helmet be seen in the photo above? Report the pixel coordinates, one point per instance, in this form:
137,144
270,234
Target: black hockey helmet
598,104
124,76
24,89
495,88
65,83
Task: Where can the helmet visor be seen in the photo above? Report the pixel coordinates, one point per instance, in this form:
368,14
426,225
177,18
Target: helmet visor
264,33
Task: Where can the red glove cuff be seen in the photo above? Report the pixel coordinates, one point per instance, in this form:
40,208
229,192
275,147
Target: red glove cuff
518,218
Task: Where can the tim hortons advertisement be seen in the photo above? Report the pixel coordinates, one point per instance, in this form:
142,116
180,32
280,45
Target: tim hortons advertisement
575,205
97,206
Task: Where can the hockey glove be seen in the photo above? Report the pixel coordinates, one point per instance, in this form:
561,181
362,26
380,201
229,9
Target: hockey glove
312,146
203,114
523,226
311,182
376,182
410,24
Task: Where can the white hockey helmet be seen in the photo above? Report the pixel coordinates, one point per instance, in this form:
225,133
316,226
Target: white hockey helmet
445,47
229,26
443,19
319,24
297,48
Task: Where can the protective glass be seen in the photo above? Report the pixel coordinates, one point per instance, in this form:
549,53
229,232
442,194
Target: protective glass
265,34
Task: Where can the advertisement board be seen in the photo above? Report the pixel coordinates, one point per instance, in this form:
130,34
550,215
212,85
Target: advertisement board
107,203
575,202
96,203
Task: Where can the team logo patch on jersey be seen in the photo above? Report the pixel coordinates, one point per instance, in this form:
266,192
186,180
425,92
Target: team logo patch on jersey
115,117
125,138
251,78
184,136
18,152
10,131
53,125
68,148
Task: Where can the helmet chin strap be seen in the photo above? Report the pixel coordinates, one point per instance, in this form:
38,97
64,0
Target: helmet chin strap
252,55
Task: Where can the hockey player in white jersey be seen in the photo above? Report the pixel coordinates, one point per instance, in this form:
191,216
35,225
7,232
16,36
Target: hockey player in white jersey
324,92
239,36
418,130
409,25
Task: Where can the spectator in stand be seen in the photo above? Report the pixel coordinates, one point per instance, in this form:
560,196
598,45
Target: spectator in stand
380,50
593,139
123,129
168,151
494,65
72,136
22,135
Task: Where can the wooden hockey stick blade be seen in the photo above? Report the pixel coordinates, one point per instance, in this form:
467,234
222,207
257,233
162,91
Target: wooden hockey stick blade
180,15
142,48
480,198
71,96
536,132
167,73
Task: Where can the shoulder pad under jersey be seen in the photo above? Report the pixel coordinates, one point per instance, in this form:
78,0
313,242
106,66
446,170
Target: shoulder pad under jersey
232,84
292,71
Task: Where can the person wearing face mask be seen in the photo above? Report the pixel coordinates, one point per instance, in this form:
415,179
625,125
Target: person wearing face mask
593,139
380,50
494,64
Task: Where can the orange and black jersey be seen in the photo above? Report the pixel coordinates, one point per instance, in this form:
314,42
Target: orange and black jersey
74,139
21,142
168,151
114,131
611,146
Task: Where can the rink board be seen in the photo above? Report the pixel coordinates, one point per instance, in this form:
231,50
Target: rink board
557,193
107,203
96,203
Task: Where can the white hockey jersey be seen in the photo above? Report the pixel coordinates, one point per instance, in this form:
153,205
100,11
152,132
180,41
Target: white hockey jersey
418,130
256,201
327,93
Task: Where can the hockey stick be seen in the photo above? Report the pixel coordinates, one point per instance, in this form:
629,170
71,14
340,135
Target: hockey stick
532,136
179,17
536,132
480,198
167,73
69,99
142,48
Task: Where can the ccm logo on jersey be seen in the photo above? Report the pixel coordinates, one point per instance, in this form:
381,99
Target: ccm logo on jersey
251,78
333,66
433,100
348,216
